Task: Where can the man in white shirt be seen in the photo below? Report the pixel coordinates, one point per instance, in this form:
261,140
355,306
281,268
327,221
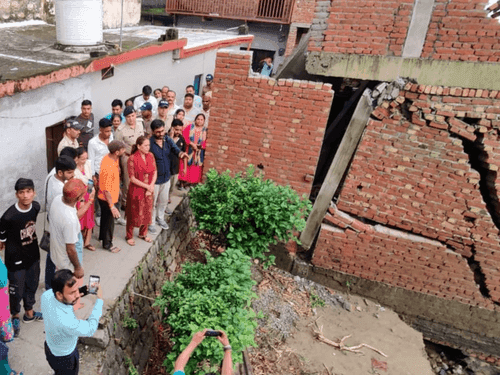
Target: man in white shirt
190,112
196,98
65,171
98,146
146,97
66,243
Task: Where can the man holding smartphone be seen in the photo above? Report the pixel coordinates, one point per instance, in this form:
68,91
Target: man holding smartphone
198,337
62,328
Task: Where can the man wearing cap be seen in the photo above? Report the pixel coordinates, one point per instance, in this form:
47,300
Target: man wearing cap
86,120
207,89
147,117
128,134
163,114
66,242
22,256
146,97
72,130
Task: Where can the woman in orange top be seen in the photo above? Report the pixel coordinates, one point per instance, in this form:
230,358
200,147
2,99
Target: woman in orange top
142,172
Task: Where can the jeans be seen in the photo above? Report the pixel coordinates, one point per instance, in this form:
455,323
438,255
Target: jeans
65,365
22,287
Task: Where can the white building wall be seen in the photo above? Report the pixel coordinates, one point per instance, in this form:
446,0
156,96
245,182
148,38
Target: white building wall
25,116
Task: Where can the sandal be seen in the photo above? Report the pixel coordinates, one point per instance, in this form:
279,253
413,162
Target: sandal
146,238
131,242
90,247
114,249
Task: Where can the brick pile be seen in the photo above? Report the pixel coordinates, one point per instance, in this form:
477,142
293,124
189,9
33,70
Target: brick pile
459,29
462,30
277,125
411,173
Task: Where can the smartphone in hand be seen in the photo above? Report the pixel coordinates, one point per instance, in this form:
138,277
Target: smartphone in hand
213,333
94,282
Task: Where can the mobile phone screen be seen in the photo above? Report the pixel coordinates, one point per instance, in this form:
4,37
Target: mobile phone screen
94,284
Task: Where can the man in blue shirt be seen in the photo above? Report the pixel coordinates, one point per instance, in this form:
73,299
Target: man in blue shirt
116,109
62,328
161,147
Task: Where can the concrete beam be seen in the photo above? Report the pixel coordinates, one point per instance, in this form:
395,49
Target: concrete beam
481,75
419,25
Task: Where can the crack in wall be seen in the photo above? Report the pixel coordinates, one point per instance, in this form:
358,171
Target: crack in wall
474,265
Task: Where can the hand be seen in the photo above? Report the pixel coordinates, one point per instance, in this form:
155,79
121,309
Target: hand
183,155
151,188
223,338
99,292
92,195
78,273
198,337
2,246
194,147
115,212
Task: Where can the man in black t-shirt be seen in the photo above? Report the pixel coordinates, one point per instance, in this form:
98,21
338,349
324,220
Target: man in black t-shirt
22,255
174,159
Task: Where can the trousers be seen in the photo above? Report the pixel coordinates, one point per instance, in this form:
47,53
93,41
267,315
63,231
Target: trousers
22,287
65,365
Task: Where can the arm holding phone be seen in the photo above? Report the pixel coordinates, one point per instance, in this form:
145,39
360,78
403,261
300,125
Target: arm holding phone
198,337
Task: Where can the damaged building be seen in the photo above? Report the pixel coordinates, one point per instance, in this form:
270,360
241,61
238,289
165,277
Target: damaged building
402,167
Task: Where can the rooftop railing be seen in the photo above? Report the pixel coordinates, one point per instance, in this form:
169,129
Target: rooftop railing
273,11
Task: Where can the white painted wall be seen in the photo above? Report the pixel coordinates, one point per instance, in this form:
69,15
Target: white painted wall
24,116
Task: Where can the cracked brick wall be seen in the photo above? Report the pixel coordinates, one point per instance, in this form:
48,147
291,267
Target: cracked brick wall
277,125
458,29
420,190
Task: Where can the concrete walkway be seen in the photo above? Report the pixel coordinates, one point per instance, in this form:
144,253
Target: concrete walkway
26,352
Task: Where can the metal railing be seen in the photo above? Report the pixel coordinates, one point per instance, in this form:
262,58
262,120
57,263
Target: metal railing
274,11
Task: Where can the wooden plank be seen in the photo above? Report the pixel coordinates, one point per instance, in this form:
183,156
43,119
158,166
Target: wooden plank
337,169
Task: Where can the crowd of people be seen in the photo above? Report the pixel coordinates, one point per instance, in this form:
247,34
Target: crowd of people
124,174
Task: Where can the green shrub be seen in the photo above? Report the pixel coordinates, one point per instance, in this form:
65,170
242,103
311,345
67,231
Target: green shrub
247,212
215,295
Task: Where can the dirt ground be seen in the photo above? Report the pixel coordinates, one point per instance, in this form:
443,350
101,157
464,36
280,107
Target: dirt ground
302,353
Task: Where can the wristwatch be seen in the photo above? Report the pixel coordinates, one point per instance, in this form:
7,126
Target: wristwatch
227,347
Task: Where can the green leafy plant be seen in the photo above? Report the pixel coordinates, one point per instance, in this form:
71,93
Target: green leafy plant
131,368
214,295
248,212
129,322
315,300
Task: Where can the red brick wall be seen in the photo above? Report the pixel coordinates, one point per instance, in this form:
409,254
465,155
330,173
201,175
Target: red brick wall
459,29
303,11
256,120
366,27
414,175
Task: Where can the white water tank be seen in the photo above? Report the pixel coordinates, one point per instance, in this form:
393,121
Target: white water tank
79,22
